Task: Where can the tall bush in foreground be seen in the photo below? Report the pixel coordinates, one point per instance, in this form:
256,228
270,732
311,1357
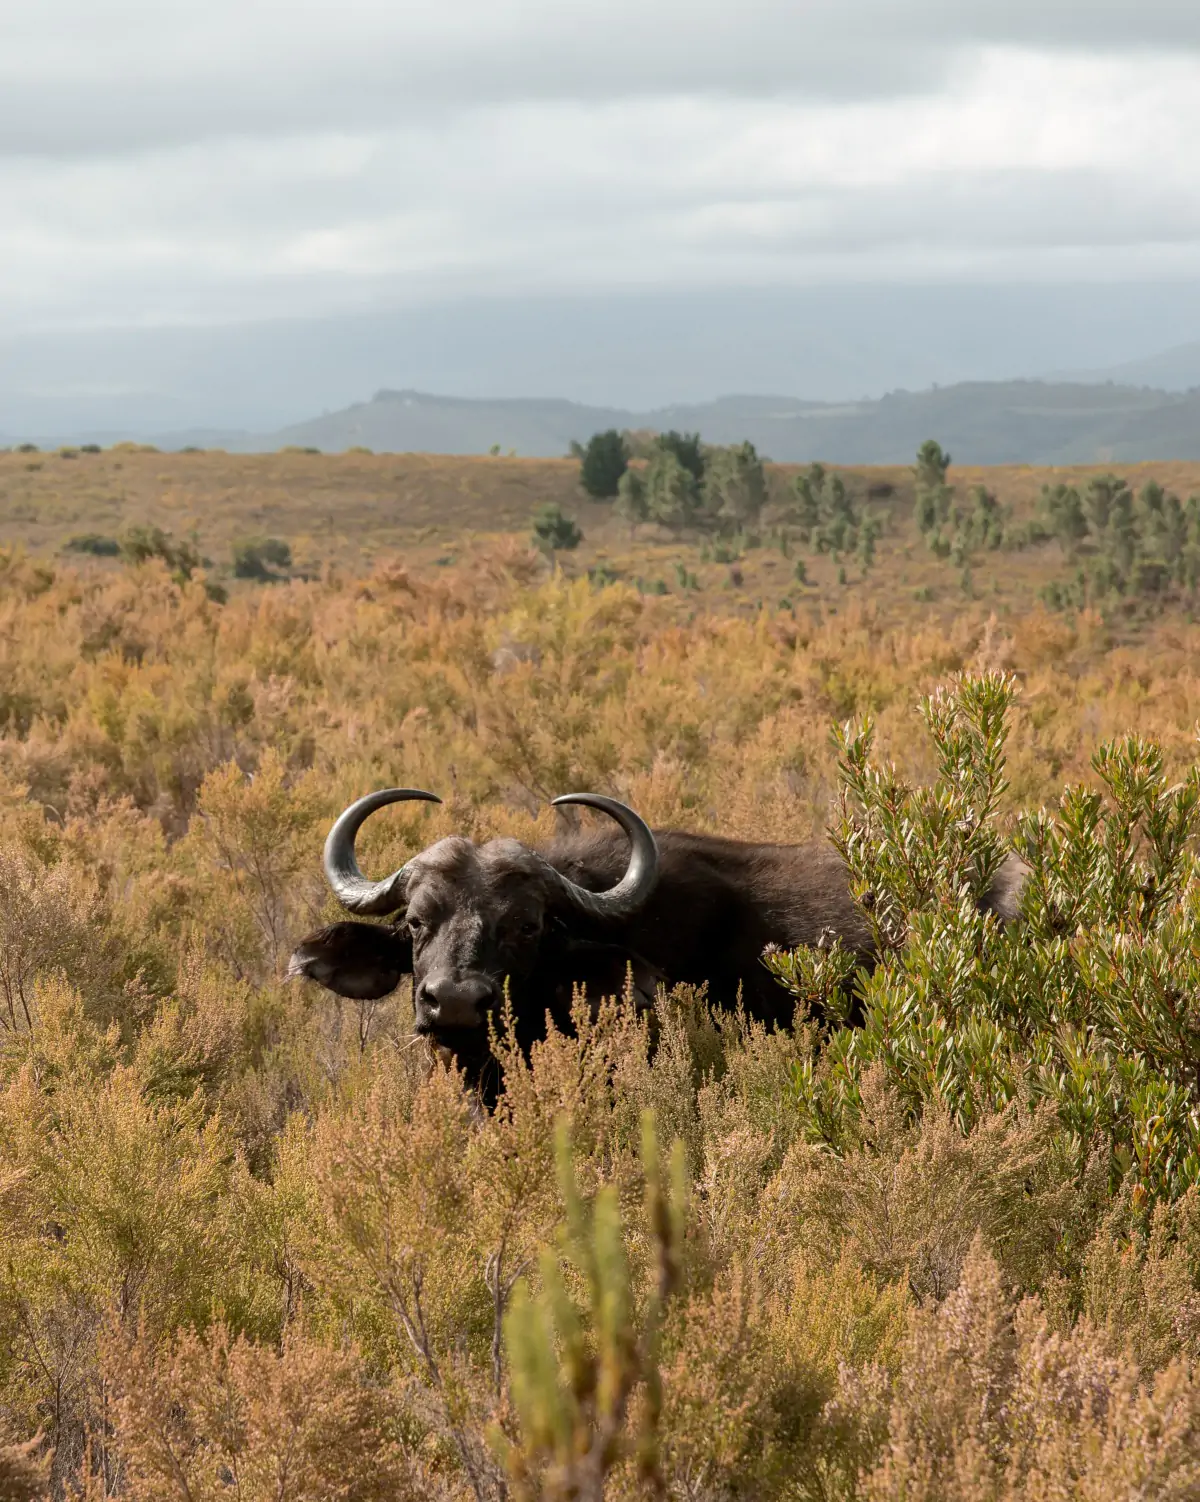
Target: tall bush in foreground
1088,1006
575,1368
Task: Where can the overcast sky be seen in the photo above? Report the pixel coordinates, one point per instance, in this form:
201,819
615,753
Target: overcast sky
183,165
167,163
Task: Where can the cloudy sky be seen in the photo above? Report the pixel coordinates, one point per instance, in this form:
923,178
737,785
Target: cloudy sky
167,165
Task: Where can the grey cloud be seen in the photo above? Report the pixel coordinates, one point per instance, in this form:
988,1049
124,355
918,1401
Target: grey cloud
77,77
1001,224
244,161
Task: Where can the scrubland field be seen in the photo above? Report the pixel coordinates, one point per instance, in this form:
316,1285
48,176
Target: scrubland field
254,1242
349,510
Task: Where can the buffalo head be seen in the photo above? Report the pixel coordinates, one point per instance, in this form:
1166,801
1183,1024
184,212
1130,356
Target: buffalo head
467,919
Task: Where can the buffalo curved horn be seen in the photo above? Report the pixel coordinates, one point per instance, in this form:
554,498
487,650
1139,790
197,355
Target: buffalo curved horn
633,891
351,888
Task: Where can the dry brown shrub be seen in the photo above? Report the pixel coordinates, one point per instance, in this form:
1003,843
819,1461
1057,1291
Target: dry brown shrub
991,1406
198,1419
910,1197
251,845
1141,1289
24,1471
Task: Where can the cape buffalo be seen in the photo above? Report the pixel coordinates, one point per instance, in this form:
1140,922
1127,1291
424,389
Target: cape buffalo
676,907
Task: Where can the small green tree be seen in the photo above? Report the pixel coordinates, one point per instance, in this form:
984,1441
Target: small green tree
1099,496
984,522
605,460
1188,568
735,488
553,531
868,535
671,498
829,520
1065,513
632,506
932,466
933,495
1121,538
687,449
809,505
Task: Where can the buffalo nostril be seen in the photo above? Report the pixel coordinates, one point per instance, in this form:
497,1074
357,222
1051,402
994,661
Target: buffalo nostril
450,1002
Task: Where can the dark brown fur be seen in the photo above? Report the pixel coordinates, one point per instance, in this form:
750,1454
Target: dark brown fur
719,903
479,918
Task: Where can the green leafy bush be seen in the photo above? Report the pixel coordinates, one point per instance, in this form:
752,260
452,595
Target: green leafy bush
829,521
1087,1006
94,543
554,531
140,544
1123,545
261,558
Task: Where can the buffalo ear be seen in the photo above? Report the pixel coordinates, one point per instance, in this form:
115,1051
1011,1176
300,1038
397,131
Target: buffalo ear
361,960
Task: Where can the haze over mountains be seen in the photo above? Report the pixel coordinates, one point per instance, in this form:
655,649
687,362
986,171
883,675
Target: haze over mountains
1013,422
981,423
867,373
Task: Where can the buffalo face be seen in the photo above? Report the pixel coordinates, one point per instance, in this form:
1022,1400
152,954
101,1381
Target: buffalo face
475,918
469,921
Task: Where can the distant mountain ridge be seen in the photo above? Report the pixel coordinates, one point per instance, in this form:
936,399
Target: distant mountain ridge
1176,369
979,422
1010,422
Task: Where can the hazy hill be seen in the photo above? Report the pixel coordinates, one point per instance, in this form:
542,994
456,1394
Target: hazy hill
1176,369
1014,422
636,349
415,422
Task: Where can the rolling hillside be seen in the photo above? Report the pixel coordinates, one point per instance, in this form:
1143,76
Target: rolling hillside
1015,422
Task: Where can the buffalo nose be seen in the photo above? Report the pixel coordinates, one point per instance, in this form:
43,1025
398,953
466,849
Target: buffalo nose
447,1002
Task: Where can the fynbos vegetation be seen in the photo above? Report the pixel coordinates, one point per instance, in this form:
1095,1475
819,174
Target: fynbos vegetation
938,1239
1123,545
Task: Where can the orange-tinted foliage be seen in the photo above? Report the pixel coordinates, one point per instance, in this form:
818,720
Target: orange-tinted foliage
247,1239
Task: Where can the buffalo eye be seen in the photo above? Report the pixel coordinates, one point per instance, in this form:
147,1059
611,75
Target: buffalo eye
416,927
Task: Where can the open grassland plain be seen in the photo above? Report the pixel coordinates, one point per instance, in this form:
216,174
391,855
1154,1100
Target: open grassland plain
254,1239
350,510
